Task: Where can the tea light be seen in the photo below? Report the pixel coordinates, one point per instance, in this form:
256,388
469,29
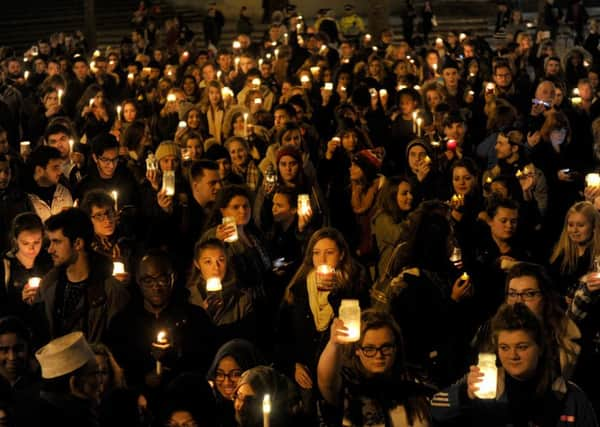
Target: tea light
34,282
576,100
303,204
314,71
464,277
213,284
115,196
118,268
162,343
592,179
119,109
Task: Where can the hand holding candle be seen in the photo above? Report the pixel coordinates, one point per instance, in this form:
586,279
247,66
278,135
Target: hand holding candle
213,284
161,344
30,290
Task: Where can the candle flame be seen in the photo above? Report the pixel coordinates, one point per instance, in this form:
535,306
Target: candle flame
161,338
267,404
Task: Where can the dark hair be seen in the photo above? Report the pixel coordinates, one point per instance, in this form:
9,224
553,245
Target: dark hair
42,155
290,111
103,142
196,275
495,202
287,127
160,256
98,198
75,224
198,167
518,317
26,221
14,325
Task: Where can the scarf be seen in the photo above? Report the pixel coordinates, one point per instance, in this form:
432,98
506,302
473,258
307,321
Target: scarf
215,123
319,304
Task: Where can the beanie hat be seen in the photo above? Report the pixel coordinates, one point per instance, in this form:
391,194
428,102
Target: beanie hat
167,148
369,161
415,142
289,150
450,63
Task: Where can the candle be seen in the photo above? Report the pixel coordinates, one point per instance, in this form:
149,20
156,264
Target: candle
303,204
375,48
427,160
60,95
276,52
171,97
464,277
91,102
71,145
118,268
161,343
519,173
246,125
26,75
439,41
130,77
34,282
230,222
266,407
315,71
24,147
414,121
417,87
226,92
304,79
268,55
256,83
487,385
367,37
236,45
576,100
435,67
119,108
350,315
96,53
592,179
576,92
488,180
461,37
168,182
213,284
115,196
236,61
285,38
419,121
260,62
382,93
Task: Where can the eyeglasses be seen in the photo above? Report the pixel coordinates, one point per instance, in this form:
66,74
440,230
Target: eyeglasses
233,376
159,282
525,296
106,160
109,214
385,350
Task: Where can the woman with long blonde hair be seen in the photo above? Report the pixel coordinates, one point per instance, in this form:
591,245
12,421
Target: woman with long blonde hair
578,247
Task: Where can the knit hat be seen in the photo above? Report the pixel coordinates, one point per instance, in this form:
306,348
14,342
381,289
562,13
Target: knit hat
369,161
415,142
64,355
289,150
167,148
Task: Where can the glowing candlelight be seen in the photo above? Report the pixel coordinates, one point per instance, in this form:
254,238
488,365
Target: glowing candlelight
367,37
382,93
488,180
451,144
236,61
229,221
315,71
427,160
256,83
115,196
260,62
130,77
435,67
162,343
266,408
414,121
285,38
26,74
91,102
592,179
419,121
171,97
350,314
24,147
246,125
236,45
464,277
119,109
118,268
303,204
461,37
34,282
487,385
304,79
276,52
96,53
168,182
60,95
213,284
576,92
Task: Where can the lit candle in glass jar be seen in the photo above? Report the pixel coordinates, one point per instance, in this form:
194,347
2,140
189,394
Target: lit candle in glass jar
34,282
162,343
213,284
592,179
488,384
303,204
118,268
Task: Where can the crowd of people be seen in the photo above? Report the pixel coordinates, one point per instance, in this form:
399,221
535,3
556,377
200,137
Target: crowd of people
182,227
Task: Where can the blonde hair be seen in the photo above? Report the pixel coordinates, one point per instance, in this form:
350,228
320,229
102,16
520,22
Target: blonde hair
567,249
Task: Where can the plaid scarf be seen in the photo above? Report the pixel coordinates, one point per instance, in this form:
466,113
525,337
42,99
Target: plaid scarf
251,174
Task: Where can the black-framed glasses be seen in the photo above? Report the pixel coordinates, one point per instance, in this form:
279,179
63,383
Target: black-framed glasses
525,296
371,351
163,281
106,160
101,216
233,375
